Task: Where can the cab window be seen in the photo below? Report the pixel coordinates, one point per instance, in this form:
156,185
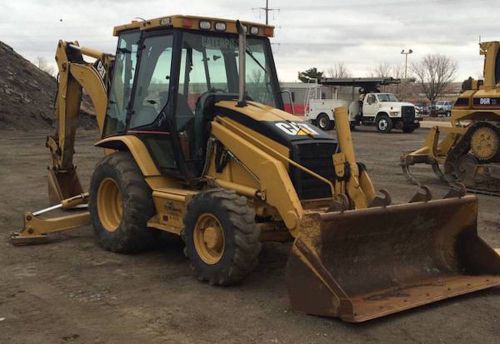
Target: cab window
371,99
152,90
122,82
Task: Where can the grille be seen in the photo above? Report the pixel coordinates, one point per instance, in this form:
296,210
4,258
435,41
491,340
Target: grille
408,114
317,157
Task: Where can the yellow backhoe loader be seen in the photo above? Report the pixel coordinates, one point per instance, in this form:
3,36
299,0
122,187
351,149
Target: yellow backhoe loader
197,144
469,151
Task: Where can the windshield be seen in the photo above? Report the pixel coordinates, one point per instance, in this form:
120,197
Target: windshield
210,63
387,97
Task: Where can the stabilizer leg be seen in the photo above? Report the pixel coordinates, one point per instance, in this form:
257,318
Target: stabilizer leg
36,228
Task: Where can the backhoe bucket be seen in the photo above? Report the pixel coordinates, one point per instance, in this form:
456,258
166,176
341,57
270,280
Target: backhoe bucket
63,184
363,264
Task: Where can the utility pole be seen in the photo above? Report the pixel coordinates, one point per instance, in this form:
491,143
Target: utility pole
267,10
406,53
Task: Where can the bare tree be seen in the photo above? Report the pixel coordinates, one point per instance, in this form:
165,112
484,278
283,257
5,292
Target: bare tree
338,71
398,71
382,70
434,73
42,64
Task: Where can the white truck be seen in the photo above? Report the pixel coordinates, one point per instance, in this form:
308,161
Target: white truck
382,109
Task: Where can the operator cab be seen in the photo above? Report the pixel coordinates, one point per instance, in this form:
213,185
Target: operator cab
169,72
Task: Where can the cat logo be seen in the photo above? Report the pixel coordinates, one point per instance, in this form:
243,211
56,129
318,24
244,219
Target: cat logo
297,129
100,69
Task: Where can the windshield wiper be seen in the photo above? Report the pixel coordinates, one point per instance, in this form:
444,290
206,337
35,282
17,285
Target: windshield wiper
250,53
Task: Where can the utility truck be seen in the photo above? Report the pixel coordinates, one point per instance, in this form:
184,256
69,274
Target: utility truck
372,107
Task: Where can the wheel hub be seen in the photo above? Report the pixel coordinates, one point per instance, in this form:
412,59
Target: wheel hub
109,204
382,124
484,143
213,238
209,238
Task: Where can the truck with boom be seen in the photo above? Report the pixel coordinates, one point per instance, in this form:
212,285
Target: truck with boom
371,107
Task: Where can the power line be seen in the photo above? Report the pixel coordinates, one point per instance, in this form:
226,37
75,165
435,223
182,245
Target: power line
267,10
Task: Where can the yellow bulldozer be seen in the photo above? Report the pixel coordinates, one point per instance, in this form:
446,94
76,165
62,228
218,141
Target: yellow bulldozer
469,151
196,143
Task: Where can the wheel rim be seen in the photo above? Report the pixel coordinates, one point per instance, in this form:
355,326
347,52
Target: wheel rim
484,143
109,204
382,124
209,239
323,122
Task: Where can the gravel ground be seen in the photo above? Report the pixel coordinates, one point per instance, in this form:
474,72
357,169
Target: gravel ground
71,291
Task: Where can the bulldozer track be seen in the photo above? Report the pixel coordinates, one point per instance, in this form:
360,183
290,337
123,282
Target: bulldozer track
450,175
484,192
461,149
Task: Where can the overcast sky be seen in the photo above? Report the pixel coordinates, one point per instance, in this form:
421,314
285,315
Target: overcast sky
315,33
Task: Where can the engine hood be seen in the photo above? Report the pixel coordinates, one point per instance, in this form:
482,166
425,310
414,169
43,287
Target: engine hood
395,105
276,124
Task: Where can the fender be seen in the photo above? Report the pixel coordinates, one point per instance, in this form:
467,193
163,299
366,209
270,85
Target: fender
136,147
382,113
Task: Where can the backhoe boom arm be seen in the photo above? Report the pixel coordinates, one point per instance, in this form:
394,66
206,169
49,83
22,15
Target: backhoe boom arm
75,74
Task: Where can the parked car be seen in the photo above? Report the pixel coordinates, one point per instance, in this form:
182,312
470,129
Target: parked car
443,107
422,108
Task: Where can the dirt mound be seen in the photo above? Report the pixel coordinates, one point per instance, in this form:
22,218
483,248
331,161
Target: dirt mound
27,94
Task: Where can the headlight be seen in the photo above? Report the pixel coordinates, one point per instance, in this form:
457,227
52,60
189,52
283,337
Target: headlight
220,26
205,25
394,113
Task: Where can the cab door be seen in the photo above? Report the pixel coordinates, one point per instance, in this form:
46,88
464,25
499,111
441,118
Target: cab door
151,107
370,105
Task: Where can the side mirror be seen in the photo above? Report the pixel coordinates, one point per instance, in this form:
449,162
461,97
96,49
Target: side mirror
291,99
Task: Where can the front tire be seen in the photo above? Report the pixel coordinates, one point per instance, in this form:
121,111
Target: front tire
120,205
221,237
384,124
324,122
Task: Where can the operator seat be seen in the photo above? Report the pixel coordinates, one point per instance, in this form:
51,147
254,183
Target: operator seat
204,114
183,113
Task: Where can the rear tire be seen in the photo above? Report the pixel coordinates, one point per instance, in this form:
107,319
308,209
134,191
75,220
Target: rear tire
384,124
120,205
324,122
221,237
408,130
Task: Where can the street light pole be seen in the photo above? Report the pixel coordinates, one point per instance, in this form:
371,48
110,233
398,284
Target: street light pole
406,53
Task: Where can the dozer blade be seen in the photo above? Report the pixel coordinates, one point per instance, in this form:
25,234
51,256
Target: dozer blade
363,264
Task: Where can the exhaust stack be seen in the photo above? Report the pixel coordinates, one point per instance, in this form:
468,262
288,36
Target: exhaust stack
242,63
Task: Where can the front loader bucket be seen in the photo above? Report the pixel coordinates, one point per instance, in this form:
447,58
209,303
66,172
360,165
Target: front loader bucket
363,264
